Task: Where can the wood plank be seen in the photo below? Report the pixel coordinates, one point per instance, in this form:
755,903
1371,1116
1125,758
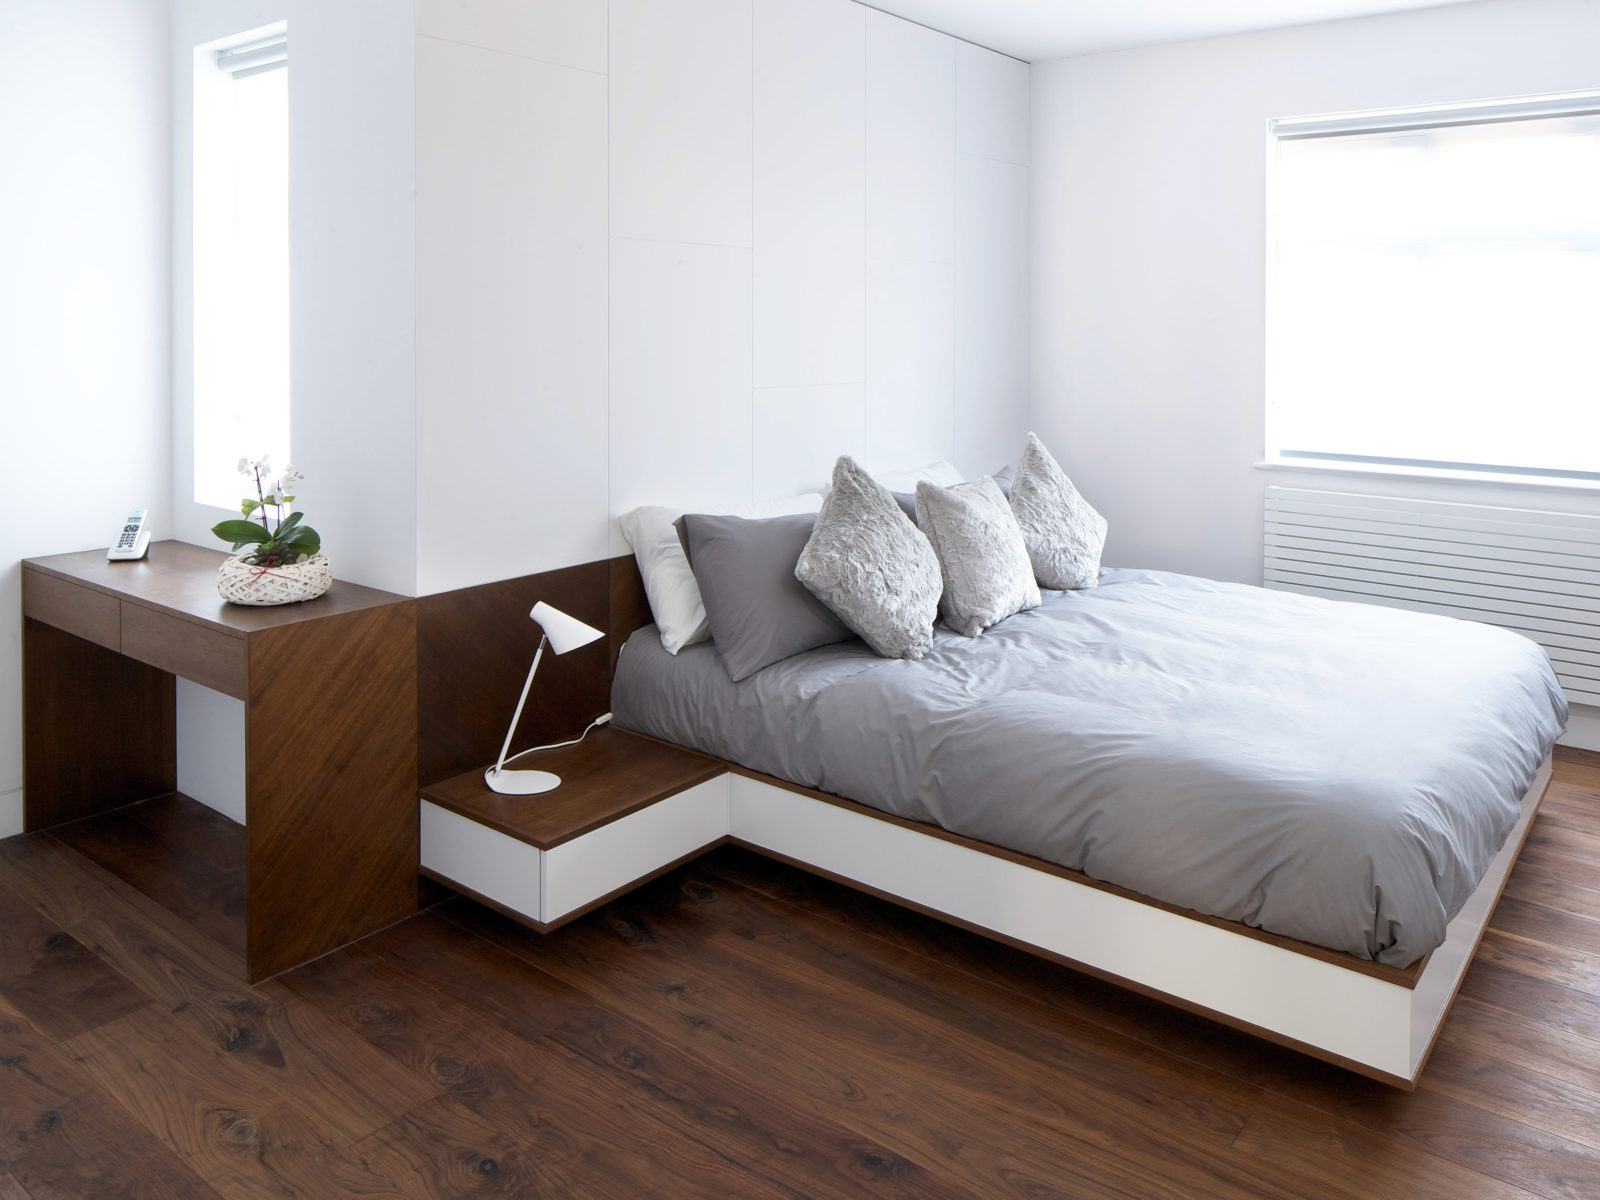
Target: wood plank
1430,1123
535,1094
236,1130
332,745
823,1051
1548,1003
62,1139
200,984
1509,1038
743,1123
1539,960
52,979
440,1150
189,886
1442,1122
1343,1159
191,828
505,990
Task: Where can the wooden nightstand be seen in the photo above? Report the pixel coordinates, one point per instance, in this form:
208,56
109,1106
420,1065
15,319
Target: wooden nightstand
628,809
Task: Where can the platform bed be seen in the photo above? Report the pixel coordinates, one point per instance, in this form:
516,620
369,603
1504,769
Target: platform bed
1377,1020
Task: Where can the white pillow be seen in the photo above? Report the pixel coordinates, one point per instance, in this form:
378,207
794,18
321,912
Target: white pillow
941,473
668,582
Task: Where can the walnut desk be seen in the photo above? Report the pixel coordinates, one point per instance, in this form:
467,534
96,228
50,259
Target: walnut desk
330,694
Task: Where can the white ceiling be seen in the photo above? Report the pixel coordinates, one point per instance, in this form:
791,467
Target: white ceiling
1038,30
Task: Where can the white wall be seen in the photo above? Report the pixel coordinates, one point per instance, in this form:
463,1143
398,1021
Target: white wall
84,333
351,274
689,253
1149,174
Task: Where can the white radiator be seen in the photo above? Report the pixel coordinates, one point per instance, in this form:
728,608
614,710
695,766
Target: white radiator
1535,572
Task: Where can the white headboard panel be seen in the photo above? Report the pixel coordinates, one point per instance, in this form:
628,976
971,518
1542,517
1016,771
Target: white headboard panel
817,243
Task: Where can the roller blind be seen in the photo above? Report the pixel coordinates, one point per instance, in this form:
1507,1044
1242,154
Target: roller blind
1434,287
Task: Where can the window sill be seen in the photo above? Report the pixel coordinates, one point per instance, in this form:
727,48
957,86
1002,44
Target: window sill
1535,483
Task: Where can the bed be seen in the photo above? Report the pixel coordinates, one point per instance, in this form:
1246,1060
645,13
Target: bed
1289,813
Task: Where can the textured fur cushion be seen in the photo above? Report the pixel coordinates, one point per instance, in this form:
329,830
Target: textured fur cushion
1063,533
868,563
987,575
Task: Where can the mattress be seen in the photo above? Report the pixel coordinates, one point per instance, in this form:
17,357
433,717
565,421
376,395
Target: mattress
1338,773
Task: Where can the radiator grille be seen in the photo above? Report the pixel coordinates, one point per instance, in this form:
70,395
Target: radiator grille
1535,572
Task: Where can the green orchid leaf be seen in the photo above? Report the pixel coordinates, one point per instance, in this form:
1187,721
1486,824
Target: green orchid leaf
239,532
305,541
249,506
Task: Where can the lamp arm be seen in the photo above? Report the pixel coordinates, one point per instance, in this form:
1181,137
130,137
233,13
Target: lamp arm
521,700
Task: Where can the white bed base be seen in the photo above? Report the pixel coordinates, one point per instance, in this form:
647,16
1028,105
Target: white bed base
1379,1022
1372,1019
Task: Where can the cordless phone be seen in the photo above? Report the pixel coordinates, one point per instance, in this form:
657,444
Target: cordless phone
133,538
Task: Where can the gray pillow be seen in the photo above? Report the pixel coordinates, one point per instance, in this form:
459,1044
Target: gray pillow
1063,532
987,575
757,610
1003,477
868,563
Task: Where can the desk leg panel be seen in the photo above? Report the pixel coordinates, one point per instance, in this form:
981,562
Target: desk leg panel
331,760
99,729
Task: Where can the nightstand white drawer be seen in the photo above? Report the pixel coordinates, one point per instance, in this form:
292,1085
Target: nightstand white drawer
547,885
481,859
620,853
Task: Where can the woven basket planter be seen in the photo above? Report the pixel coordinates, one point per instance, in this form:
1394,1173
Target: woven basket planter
240,583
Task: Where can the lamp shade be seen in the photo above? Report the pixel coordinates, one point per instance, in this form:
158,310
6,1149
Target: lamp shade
565,633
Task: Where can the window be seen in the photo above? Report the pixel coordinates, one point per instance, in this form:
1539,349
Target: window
1434,289
241,259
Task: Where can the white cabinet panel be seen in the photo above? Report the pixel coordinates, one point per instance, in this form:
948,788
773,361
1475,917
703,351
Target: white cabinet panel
624,851
993,104
569,32
800,431
810,191
489,862
911,137
510,316
681,120
910,362
992,305
680,376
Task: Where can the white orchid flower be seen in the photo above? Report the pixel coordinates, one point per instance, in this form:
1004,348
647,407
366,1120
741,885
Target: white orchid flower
244,466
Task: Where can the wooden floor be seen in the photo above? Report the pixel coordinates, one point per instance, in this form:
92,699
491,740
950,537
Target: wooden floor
734,1029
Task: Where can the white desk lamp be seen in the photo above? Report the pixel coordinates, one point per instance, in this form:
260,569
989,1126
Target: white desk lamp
561,633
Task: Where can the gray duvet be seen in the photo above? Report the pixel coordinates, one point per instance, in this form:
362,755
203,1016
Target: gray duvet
1339,773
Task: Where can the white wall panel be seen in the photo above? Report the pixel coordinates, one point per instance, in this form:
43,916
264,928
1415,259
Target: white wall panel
681,120
85,406
993,96
911,136
800,431
910,362
991,315
211,749
810,191
571,33
680,377
511,315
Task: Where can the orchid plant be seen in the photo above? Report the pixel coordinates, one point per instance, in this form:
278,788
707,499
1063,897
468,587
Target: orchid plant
278,540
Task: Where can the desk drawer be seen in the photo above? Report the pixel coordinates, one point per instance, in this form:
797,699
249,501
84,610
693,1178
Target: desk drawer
206,656
80,611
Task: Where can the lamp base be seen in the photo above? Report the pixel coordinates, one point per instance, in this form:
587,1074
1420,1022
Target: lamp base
520,783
